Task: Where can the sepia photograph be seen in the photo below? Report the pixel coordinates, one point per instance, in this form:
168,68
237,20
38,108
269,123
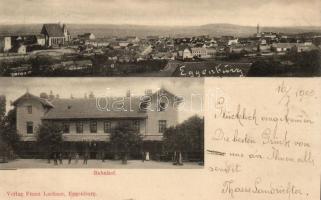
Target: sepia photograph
101,123
149,38
160,99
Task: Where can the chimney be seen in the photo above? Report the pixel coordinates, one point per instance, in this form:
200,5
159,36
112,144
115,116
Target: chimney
91,95
148,92
43,95
64,28
51,96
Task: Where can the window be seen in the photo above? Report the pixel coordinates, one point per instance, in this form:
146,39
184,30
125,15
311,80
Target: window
162,106
65,127
136,125
143,106
93,127
107,127
30,127
161,126
79,127
29,109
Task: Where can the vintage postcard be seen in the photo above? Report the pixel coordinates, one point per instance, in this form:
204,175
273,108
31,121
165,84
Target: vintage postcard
161,100
179,139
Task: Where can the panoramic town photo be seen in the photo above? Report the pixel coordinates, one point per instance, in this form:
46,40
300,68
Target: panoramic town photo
136,38
101,123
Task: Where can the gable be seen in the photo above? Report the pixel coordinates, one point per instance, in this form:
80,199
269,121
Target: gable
44,31
27,96
36,105
53,30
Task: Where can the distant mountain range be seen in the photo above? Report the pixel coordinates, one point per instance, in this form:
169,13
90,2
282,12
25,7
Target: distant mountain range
107,30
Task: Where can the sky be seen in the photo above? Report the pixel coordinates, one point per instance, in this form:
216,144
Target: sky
13,88
163,12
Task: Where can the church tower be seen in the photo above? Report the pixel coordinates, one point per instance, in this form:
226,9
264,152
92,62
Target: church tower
258,31
66,33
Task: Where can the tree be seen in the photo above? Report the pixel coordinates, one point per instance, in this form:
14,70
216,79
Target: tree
2,107
3,151
99,63
2,115
194,133
187,137
49,137
8,130
234,55
8,134
304,64
124,138
310,62
268,67
4,68
38,63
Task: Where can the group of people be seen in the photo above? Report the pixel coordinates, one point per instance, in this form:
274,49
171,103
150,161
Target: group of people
57,158
177,158
145,156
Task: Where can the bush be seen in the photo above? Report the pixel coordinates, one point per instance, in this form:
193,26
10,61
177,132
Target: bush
9,138
49,137
124,139
187,137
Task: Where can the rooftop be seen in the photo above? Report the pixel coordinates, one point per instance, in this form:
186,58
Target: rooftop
91,107
53,30
88,108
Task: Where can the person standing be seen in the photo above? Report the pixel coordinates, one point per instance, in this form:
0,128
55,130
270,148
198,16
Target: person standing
85,158
180,159
69,158
76,158
60,158
55,159
103,156
143,156
174,157
49,157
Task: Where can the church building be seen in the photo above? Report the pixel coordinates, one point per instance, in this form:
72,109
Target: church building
55,34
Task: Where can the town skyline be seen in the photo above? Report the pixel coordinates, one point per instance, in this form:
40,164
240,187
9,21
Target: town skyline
165,13
165,26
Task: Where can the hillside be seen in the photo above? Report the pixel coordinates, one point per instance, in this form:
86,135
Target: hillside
143,31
